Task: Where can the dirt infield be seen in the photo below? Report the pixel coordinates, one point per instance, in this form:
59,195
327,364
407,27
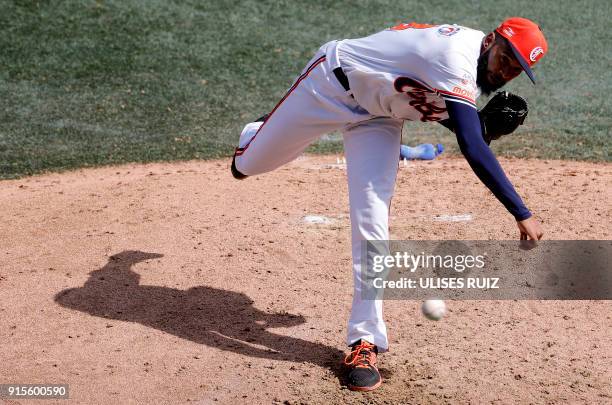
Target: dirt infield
174,283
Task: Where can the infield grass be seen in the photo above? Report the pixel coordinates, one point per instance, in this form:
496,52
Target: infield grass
100,82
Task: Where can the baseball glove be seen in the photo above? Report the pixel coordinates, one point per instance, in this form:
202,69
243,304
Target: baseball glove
502,115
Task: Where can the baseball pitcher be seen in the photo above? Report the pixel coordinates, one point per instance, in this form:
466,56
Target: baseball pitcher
366,88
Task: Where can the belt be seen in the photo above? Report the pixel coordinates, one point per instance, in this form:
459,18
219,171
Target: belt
342,78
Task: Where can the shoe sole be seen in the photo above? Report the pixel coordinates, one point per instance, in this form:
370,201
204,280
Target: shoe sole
365,389
237,175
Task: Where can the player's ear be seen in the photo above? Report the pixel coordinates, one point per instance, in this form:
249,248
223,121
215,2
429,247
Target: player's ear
487,42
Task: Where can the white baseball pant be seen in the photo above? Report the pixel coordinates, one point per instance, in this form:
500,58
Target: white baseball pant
317,104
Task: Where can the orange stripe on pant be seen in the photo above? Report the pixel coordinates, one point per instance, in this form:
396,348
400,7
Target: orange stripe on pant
240,151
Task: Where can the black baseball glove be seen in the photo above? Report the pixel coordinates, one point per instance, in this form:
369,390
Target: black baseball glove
502,115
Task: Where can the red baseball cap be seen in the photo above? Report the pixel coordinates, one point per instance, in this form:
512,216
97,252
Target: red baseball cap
526,40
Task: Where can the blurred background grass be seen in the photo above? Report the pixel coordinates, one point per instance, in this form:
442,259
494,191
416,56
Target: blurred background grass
87,82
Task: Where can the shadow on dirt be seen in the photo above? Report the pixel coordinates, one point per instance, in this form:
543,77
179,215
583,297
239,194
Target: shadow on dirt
222,319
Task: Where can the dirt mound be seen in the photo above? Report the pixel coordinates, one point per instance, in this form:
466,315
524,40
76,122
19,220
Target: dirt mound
174,283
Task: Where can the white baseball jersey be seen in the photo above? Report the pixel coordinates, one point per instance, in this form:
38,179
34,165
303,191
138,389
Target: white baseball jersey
408,71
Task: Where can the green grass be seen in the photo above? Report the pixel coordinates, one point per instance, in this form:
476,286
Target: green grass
99,82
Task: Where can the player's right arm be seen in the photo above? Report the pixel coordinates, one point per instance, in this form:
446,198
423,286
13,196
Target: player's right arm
466,123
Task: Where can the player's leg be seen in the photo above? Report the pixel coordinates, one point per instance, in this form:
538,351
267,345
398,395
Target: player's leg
372,150
316,104
248,133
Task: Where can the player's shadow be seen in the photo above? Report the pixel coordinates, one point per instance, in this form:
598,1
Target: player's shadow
223,319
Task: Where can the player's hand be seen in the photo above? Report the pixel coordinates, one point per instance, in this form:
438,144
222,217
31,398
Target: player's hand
530,229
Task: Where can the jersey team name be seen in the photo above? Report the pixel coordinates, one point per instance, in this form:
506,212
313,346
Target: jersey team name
408,71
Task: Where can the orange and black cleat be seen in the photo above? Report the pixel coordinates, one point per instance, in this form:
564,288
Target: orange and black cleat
361,362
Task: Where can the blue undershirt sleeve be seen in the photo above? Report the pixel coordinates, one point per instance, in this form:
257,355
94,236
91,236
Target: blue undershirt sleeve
481,159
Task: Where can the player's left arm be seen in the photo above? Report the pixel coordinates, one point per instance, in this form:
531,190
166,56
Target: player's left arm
467,127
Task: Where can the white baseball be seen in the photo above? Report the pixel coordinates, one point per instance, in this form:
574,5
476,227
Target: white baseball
434,309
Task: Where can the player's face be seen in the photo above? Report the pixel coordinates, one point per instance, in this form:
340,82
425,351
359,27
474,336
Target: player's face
497,65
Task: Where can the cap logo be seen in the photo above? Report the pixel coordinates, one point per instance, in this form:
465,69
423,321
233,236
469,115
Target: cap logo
535,52
508,31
